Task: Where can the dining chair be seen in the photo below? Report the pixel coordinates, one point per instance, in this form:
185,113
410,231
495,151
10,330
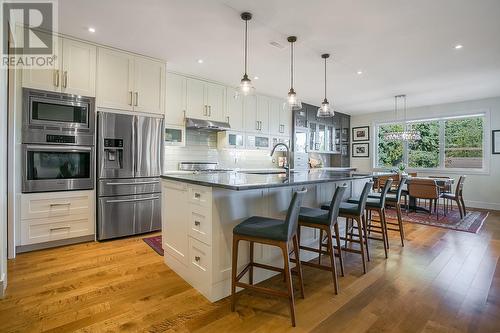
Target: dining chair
446,188
273,232
457,197
427,189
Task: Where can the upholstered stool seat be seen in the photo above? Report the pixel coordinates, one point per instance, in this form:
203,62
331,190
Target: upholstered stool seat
263,227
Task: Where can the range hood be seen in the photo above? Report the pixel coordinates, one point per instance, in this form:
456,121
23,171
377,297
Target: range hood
207,125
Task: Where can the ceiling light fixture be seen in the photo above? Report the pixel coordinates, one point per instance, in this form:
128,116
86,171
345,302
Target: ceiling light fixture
325,110
255,77
292,102
359,72
246,88
405,134
200,61
92,30
458,46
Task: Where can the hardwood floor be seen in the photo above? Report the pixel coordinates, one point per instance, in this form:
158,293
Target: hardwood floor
441,281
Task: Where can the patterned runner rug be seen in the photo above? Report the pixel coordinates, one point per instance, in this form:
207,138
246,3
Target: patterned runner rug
155,243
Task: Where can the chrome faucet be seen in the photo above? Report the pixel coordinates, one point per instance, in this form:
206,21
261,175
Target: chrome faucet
287,167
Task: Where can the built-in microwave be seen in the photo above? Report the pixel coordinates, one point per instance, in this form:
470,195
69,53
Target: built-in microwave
231,139
57,168
258,142
49,114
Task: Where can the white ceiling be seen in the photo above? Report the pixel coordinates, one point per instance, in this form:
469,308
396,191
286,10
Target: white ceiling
402,46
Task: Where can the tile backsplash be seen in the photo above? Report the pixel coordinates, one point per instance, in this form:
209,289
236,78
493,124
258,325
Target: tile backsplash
201,146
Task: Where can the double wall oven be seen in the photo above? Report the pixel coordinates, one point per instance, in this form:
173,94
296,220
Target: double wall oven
57,141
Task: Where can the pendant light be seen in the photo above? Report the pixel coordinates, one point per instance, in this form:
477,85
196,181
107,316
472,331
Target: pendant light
292,102
325,110
403,135
246,88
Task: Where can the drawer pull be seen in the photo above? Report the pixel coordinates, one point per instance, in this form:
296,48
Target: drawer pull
131,200
197,223
60,204
197,195
197,258
59,228
135,183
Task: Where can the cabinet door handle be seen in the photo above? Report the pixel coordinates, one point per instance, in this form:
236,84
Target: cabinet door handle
56,83
197,223
60,228
257,125
205,110
65,79
197,195
131,97
227,118
210,111
197,258
60,204
136,99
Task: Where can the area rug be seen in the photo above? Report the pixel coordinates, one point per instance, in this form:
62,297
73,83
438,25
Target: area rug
155,243
472,222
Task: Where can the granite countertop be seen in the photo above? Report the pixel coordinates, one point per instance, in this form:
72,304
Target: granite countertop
245,181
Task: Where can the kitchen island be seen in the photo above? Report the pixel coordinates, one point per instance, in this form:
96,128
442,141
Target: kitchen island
199,211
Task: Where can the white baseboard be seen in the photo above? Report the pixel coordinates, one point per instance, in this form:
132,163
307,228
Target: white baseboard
482,205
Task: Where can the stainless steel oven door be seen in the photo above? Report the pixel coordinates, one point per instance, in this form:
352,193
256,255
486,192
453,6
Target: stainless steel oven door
57,168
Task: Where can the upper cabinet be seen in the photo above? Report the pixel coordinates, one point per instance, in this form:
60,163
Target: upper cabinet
256,114
73,73
280,120
175,99
234,110
205,100
128,82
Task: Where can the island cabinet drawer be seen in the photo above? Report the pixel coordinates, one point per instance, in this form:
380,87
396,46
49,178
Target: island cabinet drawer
55,228
200,195
200,262
200,226
57,204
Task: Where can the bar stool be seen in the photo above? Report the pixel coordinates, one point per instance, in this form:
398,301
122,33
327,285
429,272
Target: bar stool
377,205
324,221
274,232
394,200
355,212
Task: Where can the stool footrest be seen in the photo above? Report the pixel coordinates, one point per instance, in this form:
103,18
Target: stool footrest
263,290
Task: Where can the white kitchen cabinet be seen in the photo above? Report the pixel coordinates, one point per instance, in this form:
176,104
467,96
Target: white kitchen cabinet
205,100
149,86
175,99
115,72
78,68
280,120
286,119
250,114
196,106
263,114
58,215
175,208
128,82
74,71
234,110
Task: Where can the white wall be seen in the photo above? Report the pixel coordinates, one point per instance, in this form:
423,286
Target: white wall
480,190
3,178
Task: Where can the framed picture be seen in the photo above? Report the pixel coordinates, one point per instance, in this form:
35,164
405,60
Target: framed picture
495,141
361,133
361,149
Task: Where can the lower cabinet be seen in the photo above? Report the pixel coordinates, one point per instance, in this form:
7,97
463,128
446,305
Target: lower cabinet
54,216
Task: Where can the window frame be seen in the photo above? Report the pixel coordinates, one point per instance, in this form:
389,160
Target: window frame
441,169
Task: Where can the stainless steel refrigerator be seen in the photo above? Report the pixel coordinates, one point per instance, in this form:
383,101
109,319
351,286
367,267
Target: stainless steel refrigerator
129,155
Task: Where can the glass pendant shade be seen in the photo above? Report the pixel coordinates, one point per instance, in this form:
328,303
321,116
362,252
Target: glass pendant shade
325,110
292,102
246,87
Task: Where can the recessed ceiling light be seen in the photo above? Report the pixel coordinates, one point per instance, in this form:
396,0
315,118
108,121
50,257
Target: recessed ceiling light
255,77
92,30
458,46
359,72
200,61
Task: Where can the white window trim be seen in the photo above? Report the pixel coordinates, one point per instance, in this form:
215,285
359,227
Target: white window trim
486,143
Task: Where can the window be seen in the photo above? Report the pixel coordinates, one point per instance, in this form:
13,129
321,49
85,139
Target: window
446,143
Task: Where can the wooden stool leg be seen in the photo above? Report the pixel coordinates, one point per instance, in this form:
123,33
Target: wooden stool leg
463,205
383,226
296,249
365,233
331,251
400,223
339,247
234,271
288,280
346,231
361,237
250,272
320,246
